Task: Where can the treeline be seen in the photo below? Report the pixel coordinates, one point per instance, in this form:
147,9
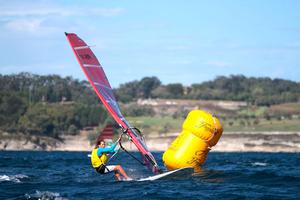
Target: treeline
47,105
52,88
52,105
255,91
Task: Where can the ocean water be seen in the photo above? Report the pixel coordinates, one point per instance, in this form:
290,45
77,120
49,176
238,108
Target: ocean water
68,175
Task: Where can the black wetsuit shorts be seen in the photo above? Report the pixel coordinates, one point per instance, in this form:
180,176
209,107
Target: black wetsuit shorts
101,169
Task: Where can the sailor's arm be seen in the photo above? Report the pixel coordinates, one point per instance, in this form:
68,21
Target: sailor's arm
110,149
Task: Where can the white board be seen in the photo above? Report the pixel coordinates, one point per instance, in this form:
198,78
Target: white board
178,173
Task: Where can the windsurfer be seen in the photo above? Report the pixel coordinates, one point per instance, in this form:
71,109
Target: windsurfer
98,80
99,159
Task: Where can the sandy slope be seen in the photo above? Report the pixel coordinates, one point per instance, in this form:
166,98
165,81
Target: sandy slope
234,141
230,141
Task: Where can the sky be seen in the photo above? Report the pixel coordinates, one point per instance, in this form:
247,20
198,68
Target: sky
178,41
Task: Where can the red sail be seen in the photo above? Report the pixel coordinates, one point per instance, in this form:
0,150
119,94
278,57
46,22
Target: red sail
107,133
97,78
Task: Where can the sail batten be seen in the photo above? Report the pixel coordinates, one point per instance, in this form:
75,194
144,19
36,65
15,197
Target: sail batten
97,78
87,65
81,47
101,85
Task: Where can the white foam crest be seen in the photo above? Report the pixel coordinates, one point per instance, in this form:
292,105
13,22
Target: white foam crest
14,178
259,164
45,195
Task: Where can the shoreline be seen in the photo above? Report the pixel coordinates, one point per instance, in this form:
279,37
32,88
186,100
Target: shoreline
229,142
243,142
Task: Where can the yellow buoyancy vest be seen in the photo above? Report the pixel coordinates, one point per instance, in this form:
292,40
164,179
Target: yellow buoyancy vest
96,160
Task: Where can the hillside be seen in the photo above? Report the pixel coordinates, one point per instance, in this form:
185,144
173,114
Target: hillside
53,106
255,91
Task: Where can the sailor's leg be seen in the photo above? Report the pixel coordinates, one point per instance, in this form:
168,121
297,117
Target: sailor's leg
119,171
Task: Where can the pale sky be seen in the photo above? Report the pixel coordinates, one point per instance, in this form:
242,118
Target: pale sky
177,41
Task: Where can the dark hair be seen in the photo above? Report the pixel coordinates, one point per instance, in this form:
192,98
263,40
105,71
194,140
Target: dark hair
98,143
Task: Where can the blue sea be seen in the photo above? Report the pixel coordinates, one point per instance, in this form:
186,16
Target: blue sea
68,175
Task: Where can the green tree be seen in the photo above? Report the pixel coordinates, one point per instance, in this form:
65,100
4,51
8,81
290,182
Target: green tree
175,90
12,107
147,85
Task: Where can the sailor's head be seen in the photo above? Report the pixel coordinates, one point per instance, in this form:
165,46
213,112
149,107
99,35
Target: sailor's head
101,144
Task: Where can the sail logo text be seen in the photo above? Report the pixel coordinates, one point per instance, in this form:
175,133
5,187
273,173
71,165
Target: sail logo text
85,56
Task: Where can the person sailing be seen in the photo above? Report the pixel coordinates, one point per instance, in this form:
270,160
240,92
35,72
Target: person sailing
99,160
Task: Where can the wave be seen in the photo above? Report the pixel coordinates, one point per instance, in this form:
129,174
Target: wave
13,178
259,164
45,195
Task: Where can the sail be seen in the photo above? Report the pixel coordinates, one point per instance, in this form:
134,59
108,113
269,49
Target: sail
107,133
97,78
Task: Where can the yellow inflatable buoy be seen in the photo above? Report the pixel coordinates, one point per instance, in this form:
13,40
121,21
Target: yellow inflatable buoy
200,131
